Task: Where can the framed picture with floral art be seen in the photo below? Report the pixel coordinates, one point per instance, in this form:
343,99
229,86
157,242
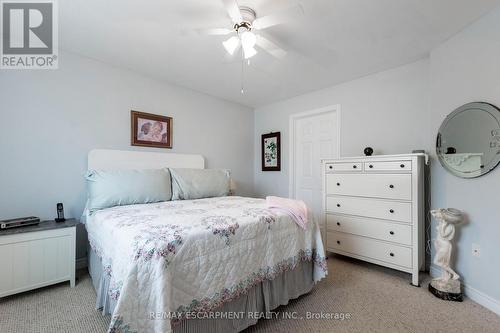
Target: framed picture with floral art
151,130
271,152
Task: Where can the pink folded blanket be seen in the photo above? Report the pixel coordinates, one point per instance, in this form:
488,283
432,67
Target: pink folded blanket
296,209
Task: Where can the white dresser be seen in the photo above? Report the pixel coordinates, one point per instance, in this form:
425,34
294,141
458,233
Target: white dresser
375,210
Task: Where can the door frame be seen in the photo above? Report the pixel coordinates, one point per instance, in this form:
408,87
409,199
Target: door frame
293,120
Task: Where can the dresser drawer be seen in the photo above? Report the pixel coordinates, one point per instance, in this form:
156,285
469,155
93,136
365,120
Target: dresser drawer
344,167
375,208
371,248
388,166
396,186
384,230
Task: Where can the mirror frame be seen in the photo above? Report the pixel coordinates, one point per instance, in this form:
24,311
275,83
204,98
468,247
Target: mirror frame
484,107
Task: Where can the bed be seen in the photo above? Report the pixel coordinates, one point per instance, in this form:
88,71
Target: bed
205,265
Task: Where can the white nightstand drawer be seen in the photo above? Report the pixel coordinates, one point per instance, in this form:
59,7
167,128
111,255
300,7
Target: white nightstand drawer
344,167
388,166
370,248
375,208
379,229
389,186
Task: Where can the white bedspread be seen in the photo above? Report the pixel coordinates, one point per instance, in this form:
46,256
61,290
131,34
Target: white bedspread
180,257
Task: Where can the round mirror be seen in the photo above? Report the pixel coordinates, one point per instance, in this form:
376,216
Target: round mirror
468,142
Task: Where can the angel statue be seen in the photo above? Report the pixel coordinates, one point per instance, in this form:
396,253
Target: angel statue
448,285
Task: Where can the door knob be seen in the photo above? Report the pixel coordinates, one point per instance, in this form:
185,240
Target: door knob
391,211
391,186
391,232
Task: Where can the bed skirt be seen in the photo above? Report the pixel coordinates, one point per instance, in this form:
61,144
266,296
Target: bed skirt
260,299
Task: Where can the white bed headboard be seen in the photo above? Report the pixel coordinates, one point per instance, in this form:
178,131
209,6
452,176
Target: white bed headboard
106,159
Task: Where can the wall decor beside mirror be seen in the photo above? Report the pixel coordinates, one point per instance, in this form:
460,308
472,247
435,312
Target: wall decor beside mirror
468,142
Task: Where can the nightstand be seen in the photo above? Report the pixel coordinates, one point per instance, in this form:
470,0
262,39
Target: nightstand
36,256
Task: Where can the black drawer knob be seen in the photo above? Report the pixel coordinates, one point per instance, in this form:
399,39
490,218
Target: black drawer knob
338,223
331,166
338,205
391,254
338,184
338,242
391,211
354,166
370,166
402,165
391,232
391,186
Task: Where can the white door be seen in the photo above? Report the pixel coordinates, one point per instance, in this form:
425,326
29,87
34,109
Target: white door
315,137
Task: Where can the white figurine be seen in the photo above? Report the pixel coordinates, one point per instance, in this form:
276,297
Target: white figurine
448,285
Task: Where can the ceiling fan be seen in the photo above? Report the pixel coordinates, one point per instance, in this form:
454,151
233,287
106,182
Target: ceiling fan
246,23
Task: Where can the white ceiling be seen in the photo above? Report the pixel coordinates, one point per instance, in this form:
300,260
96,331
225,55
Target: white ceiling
335,41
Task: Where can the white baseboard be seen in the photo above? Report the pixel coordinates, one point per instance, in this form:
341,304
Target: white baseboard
477,296
81,263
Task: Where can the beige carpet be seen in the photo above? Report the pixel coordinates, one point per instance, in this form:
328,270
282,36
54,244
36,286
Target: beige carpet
378,300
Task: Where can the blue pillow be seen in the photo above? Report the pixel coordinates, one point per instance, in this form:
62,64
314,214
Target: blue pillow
190,184
127,187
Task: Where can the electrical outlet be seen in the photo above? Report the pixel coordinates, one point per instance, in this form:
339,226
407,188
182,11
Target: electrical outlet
476,250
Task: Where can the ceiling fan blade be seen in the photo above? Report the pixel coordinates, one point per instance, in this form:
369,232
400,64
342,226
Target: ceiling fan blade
270,47
280,17
233,10
214,32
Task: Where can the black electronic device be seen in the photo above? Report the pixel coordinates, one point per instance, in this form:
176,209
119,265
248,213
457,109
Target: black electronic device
19,222
60,213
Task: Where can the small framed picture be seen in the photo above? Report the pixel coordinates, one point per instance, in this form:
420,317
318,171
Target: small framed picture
271,152
151,130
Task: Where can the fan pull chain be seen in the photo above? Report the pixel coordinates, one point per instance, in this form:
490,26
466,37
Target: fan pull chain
242,78
242,71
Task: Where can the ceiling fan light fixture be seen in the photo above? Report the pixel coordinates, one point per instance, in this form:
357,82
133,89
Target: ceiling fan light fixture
231,44
248,39
249,52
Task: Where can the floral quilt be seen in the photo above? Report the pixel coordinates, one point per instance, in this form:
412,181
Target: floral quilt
189,256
